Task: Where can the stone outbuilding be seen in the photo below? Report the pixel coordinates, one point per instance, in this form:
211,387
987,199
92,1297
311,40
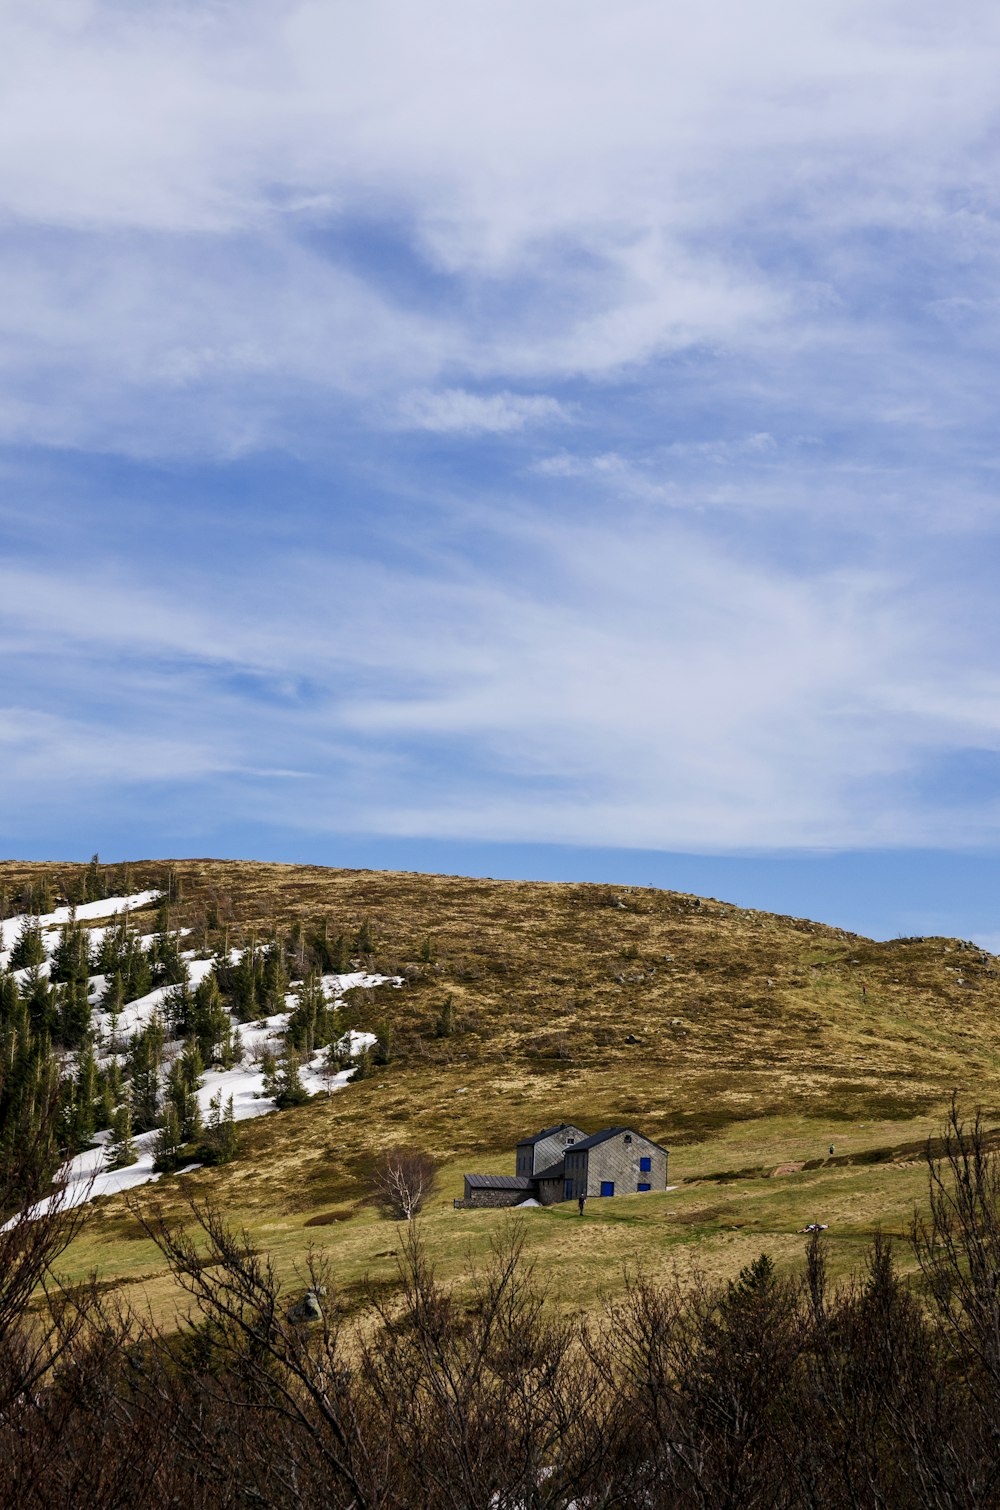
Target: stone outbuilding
496,1190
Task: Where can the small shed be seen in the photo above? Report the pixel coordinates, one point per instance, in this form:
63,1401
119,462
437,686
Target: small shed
497,1189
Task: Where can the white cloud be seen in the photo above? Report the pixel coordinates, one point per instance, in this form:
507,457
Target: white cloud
590,185
454,411
626,686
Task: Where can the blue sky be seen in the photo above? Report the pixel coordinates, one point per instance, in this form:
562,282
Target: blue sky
536,440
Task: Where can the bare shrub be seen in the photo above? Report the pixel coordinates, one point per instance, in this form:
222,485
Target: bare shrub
402,1181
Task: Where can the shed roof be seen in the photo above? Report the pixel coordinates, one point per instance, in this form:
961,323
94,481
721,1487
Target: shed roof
554,1172
547,1132
498,1181
612,1132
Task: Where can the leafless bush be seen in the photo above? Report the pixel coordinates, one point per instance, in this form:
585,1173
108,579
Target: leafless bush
402,1180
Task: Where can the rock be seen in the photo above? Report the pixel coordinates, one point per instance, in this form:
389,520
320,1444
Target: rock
306,1310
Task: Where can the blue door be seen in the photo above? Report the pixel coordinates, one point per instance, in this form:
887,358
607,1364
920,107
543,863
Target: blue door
567,1190
607,1187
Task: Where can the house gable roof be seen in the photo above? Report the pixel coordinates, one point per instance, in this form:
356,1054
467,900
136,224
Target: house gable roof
547,1132
613,1132
554,1171
498,1181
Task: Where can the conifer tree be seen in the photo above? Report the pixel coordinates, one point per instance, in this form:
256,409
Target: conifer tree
40,1000
28,948
289,1088
364,941
71,957
169,1141
165,955
221,1141
94,888
73,1013
145,1066
121,1149
311,1023
273,981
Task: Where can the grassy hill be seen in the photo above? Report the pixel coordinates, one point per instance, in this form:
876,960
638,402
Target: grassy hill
745,1042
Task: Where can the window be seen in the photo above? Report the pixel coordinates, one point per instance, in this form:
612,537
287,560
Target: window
642,1187
628,1137
567,1190
645,1165
607,1187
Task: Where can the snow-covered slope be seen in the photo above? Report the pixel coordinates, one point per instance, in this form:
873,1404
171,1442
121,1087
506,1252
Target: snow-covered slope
88,1175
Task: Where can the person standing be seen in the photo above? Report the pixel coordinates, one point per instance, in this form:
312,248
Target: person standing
581,1201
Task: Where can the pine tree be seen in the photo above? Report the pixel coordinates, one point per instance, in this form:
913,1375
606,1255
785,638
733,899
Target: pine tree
71,956
340,955
94,887
289,1088
73,1013
169,1141
311,1023
28,948
221,1141
426,955
168,968
273,982
364,942
383,1046
209,1020
362,1064
40,1000
144,1067
121,1149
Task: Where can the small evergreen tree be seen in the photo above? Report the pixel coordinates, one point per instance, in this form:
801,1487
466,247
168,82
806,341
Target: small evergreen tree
28,948
364,941
289,1088
169,1141
220,1143
121,1149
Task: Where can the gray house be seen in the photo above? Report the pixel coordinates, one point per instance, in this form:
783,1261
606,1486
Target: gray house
617,1161
562,1163
546,1148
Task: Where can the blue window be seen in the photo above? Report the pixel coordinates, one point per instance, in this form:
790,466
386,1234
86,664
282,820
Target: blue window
645,1165
607,1187
567,1190
642,1187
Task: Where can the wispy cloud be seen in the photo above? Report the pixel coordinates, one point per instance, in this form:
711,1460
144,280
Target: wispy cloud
455,411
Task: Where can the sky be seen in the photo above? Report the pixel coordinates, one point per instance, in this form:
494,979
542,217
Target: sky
544,440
